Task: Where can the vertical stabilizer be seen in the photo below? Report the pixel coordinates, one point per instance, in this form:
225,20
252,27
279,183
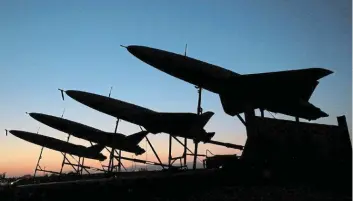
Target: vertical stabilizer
137,137
205,117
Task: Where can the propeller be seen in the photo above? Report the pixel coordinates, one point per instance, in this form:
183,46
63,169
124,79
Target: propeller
62,93
123,46
6,132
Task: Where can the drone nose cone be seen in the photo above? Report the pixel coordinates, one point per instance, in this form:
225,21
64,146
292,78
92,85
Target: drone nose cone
143,53
15,132
83,97
77,95
136,50
34,115
132,48
72,93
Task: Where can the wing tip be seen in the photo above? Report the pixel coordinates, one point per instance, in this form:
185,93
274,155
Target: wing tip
323,72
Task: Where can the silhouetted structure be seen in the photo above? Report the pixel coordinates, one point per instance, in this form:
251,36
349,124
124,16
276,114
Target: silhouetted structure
298,150
276,150
187,125
92,152
115,140
286,92
222,161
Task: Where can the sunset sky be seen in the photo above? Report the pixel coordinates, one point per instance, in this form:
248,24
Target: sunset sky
46,45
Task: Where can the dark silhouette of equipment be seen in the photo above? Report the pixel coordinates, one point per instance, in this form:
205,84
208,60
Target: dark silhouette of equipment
239,93
115,140
189,125
92,152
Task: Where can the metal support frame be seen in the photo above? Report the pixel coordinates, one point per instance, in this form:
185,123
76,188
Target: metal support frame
182,157
39,168
185,139
119,157
199,112
155,154
171,160
145,161
80,164
170,151
115,154
297,119
79,167
65,161
111,165
154,151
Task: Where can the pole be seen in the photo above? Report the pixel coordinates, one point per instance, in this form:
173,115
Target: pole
111,158
185,139
63,163
119,164
40,157
170,151
185,150
199,112
195,156
154,151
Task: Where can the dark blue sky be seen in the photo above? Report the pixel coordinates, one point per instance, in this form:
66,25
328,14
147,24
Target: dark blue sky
45,45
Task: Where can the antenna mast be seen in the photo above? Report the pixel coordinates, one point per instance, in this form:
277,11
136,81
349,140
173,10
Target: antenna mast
186,48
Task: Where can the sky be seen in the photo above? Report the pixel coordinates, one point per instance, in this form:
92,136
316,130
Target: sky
46,45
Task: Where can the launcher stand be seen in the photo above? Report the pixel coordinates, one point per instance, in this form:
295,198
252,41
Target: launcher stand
38,167
115,154
66,160
146,161
171,160
199,112
111,165
79,167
